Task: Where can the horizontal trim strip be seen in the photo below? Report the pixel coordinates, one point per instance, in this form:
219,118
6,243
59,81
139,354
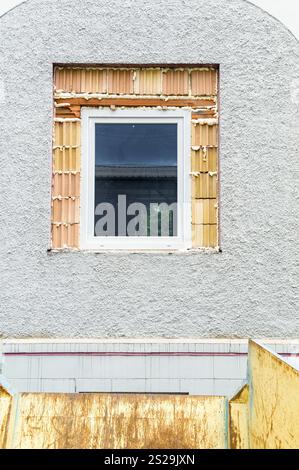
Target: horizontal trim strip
123,353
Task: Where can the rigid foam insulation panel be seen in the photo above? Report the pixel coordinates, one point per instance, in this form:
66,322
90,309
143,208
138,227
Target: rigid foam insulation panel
148,82
84,80
176,82
204,82
205,236
204,160
120,82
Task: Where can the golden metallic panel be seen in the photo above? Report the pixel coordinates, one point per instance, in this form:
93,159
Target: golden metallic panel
203,82
85,80
5,406
204,186
204,236
66,159
65,236
66,210
204,159
238,420
107,421
120,82
203,135
148,82
273,400
66,185
204,211
176,82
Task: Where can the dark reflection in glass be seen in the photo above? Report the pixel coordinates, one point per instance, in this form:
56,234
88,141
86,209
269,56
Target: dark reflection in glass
135,179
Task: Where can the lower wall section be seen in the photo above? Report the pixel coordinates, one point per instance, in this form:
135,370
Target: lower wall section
195,367
262,415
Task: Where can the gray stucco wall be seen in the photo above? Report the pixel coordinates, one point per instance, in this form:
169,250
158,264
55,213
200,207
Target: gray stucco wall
247,290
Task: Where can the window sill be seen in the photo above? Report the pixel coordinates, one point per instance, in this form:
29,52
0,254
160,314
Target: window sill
190,252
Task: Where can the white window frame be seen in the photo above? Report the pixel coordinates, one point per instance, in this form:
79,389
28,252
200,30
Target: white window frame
91,116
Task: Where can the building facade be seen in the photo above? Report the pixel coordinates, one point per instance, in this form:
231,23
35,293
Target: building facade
223,76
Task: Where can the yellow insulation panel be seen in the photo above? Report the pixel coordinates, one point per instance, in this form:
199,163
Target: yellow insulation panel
205,236
84,80
120,82
148,82
66,159
204,134
204,186
65,235
67,133
204,211
176,82
66,185
204,82
66,210
204,160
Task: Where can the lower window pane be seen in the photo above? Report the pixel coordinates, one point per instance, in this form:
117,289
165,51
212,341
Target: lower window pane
135,179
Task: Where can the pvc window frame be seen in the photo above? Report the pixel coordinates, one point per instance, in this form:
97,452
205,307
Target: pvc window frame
91,116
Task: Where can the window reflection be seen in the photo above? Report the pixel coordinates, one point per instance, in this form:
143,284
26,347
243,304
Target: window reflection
135,179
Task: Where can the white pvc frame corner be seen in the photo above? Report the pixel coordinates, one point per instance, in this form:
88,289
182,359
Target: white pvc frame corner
91,116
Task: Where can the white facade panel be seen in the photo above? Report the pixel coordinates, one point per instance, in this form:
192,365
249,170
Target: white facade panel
200,367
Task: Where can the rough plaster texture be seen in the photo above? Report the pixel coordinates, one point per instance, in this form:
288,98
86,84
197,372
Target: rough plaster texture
247,290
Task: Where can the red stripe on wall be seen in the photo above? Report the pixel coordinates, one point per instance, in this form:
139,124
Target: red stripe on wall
120,353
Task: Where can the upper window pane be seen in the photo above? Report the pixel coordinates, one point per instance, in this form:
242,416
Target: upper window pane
136,179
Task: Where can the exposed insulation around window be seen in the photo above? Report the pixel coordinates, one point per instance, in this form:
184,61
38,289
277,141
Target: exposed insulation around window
204,211
176,82
120,82
203,82
156,81
204,159
66,184
65,236
82,80
204,236
193,88
204,171
67,105
148,82
204,185
204,135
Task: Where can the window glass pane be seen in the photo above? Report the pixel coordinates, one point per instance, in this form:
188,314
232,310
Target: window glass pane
135,179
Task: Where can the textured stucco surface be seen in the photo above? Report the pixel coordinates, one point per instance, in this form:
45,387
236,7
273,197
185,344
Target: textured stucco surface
247,290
